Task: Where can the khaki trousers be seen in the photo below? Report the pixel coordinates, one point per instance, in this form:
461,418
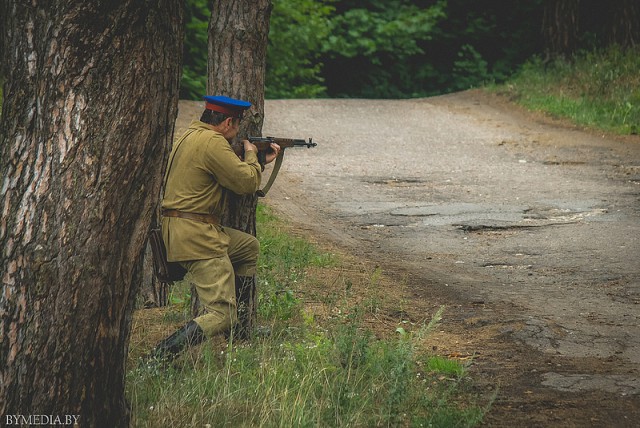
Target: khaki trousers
214,281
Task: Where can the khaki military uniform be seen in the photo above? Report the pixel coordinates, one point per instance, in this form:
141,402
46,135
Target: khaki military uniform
202,170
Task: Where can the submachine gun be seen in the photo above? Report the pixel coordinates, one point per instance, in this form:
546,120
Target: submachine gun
263,144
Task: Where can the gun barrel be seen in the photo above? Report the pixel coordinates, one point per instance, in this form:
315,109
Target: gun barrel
282,142
308,144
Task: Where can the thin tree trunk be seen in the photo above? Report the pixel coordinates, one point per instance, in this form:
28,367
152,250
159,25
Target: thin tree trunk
625,23
560,26
90,102
238,36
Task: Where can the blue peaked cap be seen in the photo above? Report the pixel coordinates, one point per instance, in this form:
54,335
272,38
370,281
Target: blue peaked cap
229,106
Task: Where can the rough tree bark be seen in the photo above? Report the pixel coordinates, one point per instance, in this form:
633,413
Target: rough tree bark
90,101
238,36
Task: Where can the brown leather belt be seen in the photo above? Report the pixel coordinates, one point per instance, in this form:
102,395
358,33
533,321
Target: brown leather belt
203,218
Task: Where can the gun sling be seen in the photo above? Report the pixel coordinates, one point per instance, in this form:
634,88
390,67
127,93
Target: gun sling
274,173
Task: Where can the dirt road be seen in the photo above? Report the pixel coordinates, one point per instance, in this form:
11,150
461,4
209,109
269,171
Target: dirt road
527,230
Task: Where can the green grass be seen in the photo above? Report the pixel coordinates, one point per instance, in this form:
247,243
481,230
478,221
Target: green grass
599,89
282,264
307,373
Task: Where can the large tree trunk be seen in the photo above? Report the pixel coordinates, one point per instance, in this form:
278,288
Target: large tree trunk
90,102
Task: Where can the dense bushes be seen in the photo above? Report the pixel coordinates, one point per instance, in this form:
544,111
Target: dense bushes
379,49
599,88
409,48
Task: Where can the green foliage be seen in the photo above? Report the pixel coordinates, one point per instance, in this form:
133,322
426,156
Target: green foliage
469,69
282,263
379,49
296,31
194,70
599,89
441,365
393,48
395,27
399,48
375,48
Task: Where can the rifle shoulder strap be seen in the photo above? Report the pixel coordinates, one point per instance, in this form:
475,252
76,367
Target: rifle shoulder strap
173,155
274,173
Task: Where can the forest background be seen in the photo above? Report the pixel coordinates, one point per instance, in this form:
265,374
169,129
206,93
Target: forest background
405,49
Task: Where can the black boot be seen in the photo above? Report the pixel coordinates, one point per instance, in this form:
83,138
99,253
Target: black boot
189,335
247,307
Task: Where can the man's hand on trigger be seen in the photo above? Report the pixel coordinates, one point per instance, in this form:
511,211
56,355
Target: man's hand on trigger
249,147
273,152
271,155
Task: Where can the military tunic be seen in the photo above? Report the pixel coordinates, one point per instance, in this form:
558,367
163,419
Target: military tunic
202,166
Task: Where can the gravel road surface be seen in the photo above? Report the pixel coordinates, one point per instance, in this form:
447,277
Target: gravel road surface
529,227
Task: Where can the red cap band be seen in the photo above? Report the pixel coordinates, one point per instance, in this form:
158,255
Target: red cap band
225,110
